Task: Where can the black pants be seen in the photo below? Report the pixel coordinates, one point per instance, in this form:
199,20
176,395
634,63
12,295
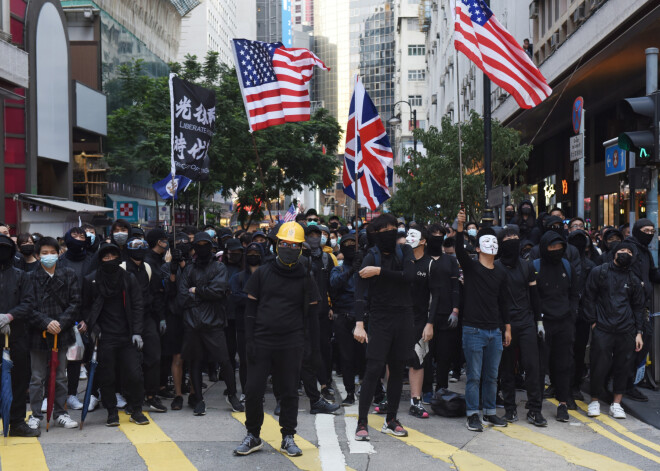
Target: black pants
324,372
151,356
113,353
201,347
447,343
230,335
348,349
557,355
242,355
284,365
524,338
613,351
19,345
582,330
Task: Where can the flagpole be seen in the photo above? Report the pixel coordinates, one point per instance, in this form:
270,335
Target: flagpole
261,175
357,152
199,197
173,213
458,120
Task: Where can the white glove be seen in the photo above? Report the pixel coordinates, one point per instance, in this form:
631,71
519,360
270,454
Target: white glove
453,320
540,330
5,330
137,341
4,320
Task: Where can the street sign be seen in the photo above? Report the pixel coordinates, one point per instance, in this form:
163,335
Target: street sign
576,171
496,195
615,160
577,147
576,114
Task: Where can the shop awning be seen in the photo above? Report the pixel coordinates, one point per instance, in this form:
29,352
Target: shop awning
61,203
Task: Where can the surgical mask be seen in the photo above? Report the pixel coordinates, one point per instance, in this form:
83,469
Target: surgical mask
211,233
488,244
333,243
49,261
288,256
340,263
472,232
92,237
253,260
27,249
312,223
324,240
623,259
120,237
401,230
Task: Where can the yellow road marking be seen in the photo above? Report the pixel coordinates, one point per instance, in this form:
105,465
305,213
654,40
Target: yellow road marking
157,450
440,450
617,427
570,453
607,434
22,453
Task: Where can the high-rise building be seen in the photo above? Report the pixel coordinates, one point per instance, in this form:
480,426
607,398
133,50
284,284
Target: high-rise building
302,12
269,20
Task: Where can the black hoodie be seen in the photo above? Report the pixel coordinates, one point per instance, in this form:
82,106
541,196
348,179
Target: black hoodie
558,290
528,228
17,296
643,265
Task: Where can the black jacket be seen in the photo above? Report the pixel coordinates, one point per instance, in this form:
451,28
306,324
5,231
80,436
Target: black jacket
57,298
558,290
644,268
528,228
153,296
519,300
342,289
572,254
614,299
205,308
17,298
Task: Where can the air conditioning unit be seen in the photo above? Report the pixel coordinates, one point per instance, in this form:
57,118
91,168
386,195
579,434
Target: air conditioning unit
501,95
579,15
434,97
533,10
554,40
473,95
442,82
434,44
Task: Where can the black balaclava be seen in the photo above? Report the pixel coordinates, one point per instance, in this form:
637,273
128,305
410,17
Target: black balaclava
386,240
76,250
7,251
109,276
578,239
434,245
548,239
644,239
509,252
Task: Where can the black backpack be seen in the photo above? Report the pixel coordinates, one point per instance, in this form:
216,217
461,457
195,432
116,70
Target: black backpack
446,403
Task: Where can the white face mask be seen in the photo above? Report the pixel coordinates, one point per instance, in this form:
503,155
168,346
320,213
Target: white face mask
333,243
488,244
413,237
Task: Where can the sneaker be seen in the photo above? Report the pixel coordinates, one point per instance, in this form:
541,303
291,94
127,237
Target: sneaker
323,407
381,408
155,404
511,416
250,444
617,411
289,446
200,408
454,377
34,422
427,398
362,432
93,403
277,409
536,418
121,402
44,405
394,427
235,404
474,423
562,413
571,404
177,403
549,392
83,372
113,419
66,421
495,420
328,394
73,403
577,394
635,394
417,410
594,409
165,393
213,376
349,400
139,418
128,410
21,429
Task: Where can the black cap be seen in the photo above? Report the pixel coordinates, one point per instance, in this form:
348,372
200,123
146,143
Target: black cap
234,244
105,248
202,236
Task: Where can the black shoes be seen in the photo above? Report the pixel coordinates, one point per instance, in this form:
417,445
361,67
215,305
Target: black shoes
154,404
349,400
289,446
249,445
177,403
474,423
192,400
635,394
549,392
562,413
511,416
323,407
570,403
22,429
381,407
536,418
213,376
417,410
577,394
328,394
494,420
139,418
165,393
235,403
113,419
200,409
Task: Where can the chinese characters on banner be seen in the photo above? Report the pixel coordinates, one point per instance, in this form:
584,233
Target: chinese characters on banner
193,118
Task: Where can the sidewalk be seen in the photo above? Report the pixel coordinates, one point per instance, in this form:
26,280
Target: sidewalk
648,412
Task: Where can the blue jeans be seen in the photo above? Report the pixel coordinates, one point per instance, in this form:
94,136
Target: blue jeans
483,350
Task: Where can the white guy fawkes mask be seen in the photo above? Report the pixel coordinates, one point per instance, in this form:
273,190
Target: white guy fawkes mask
488,244
413,237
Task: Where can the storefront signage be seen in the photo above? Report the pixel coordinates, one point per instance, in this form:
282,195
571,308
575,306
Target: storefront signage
577,147
615,160
576,114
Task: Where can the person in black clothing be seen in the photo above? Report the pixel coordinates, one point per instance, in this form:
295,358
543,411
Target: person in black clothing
233,258
202,294
391,320
526,222
525,315
120,232
559,293
26,246
485,312
281,307
112,300
614,307
556,224
509,214
611,237
93,241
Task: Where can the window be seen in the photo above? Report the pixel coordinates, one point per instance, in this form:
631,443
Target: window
413,24
415,100
416,75
416,50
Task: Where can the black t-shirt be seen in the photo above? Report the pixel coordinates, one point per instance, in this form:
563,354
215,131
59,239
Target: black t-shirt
281,298
113,320
445,291
518,279
420,289
485,292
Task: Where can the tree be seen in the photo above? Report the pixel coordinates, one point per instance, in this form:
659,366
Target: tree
293,156
430,186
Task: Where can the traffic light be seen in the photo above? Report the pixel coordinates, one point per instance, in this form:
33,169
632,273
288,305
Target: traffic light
645,143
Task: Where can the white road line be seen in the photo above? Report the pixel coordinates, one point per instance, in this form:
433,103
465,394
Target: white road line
332,458
351,424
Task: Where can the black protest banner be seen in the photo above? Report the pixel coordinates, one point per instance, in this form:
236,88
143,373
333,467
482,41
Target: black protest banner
193,117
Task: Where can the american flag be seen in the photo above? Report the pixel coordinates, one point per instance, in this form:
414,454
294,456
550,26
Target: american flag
274,81
491,47
368,147
290,214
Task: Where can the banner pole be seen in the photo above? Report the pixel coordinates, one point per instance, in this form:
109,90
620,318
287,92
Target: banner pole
261,175
173,214
199,196
357,184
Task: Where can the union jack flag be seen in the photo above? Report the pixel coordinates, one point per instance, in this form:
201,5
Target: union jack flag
368,148
290,214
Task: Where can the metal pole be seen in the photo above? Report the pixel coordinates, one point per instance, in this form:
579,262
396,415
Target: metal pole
414,117
488,145
580,195
458,121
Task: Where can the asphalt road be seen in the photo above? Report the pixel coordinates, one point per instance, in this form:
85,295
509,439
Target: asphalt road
178,441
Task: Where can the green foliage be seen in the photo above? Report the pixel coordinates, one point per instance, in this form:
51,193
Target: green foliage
291,155
427,182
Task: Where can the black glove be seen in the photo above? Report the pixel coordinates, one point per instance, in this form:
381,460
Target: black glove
357,261
177,258
251,352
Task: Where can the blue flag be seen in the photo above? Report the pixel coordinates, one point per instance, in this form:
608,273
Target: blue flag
169,187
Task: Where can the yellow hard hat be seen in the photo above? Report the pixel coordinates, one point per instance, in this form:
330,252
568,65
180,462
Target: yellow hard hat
292,232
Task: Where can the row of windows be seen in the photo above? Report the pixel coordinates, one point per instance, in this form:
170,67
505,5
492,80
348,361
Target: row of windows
416,75
417,50
415,100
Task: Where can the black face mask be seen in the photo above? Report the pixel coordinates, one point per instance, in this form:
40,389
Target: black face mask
185,249
27,250
111,266
75,246
526,210
203,252
288,256
434,245
234,258
579,242
137,254
555,256
5,253
509,214
334,225
348,251
623,259
509,251
253,260
644,239
386,240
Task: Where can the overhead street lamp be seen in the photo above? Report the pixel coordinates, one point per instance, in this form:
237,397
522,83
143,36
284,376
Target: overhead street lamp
396,120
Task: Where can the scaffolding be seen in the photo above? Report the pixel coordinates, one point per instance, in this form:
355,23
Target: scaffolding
89,178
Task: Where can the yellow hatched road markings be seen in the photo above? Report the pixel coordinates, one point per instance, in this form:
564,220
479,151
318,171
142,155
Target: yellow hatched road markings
22,453
617,427
440,450
570,453
157,450
607,434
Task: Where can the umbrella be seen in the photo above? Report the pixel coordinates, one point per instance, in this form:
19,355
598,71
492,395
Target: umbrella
6,396
90,385
54,363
